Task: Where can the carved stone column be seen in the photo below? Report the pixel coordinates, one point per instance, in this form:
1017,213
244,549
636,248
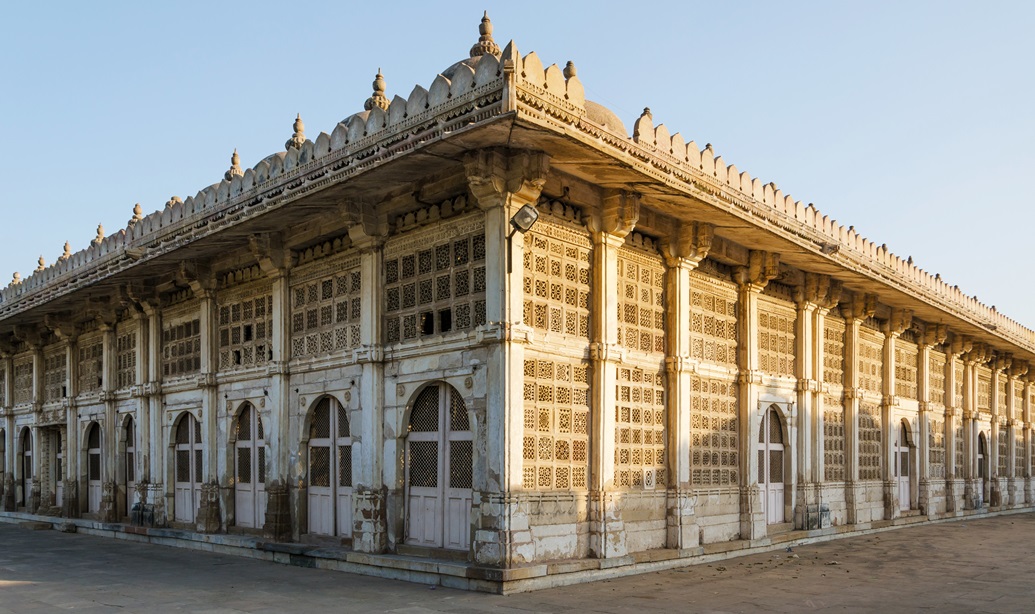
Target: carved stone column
854,312
973,490
7,500
1026,417
207,518
502,181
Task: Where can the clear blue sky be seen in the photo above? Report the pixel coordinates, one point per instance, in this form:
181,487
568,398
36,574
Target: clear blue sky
912,121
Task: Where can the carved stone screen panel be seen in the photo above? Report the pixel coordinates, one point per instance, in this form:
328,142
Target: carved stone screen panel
714,447
435,281
713,320
936,377
181,348
1001,397
906,354
3,387
984,388
957,393
326,309
776,337
833,439
833,350
936,447
126,358
1003,449
869,441
871,361
1018,400
640,429
23,380
55,369
557,279
641,300
957,434
245,328
91,365
556,424
1018,451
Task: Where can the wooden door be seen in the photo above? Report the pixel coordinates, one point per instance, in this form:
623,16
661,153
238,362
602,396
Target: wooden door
330,470
771,466
188,469
59,470
250,469
26,469
902,468
93,469
439,451
130,465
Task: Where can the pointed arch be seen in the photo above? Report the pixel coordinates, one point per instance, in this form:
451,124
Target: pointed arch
772,471
329,475
94,477
128,458
187,459
248,440
25,468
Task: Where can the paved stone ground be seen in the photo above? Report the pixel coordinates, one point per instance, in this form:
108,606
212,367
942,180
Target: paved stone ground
984,565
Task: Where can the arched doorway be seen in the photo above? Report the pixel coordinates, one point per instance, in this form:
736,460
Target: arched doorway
439,454
249,469
59,468
188,468
771,466
330,469
129,464
902,462
26,469
93,468
982,465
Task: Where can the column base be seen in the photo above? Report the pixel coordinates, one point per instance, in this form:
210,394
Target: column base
369,521
70,504
7,502
502,537
208,520
277,525
752,518
681,520
108,511
606,527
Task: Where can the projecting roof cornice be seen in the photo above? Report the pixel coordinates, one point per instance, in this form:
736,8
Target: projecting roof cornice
455,114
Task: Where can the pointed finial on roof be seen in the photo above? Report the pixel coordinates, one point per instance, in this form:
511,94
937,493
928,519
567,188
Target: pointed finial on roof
17,279
67,254
41,264
298,138
485,43
569,70
378,98
100,235
235,168
174,200
138,214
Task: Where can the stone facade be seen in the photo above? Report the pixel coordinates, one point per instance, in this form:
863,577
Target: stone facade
352,343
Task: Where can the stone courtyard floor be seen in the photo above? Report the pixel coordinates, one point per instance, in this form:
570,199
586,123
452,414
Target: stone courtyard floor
984,565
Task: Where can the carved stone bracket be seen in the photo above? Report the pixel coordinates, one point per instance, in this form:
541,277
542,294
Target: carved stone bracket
689,245
606,352
821,290
499,177
205,380
762,268
681,364
860,307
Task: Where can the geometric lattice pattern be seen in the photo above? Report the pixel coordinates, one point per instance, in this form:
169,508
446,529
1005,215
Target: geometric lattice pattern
1018,400
325,314
556,281
936,447
833,439
91,366
641,300
1002,449
1018,450
245,331
23,381
905,368
3,387
957,428
984,388
436,289
776,339
871,361
714,449
869,441
640,429
1001,397
833,350
713,322
181,348
936,378
54,380
126,359
555,449
957,393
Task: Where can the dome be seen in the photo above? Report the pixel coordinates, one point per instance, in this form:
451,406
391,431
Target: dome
599,114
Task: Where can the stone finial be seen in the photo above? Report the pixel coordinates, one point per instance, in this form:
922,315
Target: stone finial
100,235
138,214
17,279
67,254
174,200
298,138
485,43
378,98
235,166
569,70
41,264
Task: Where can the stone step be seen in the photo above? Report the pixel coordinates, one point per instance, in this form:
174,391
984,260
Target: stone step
33,525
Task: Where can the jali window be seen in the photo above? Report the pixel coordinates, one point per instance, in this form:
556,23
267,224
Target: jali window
3,387
181,348
775,338
714,449
869,441
833,439
245,330
1003,441
713,321
326,312
91,365
556,280
55,367
126,359
936,447
871,361
556,440
1018,450
435,283
984,388
906,369
957,393
833,350
936,377
641,300
1001,397
640,429
1018,400
957,435
23,381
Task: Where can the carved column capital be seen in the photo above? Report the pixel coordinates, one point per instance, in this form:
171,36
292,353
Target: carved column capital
689,245
498,177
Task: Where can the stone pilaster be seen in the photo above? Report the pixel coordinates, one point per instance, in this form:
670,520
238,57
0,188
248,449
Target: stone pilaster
207,517
854,311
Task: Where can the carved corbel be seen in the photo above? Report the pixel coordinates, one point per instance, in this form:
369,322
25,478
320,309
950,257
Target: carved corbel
30,335
1002,362
197,277
861,306
499,177
689,244
762,268
935,334
268,251
821,290
63,329
620,213
363,223
960,345
1019,369
899,322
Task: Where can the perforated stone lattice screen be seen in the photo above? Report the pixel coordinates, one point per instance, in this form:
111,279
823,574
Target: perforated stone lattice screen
957,393
833,439
871,361
957,426
714,457
713,321
936,378
776,338
906,356
984,388
3,387
125,357
91,365
556,441
245,330
936,447
641,300
833,350
557,279
1003,451
325,311
869,441
54,370
23,380
181,348
640,429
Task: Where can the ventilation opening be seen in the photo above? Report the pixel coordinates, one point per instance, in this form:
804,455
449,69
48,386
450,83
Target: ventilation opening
445,320
427,323
247,332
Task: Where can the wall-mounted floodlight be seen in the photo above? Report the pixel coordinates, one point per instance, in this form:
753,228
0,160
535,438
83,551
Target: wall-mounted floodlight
522,222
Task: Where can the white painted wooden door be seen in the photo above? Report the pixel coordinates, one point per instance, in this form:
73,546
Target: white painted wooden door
439,469
26,469
59,470
93,469
131,469
330,470
250,468
902,468
771,466
188,469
